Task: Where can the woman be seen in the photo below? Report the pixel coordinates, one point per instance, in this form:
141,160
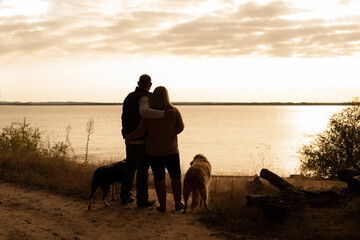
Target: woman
162,147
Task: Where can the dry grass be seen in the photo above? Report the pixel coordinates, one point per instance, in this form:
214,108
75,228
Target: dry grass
230,213
62,175
66,175
226,201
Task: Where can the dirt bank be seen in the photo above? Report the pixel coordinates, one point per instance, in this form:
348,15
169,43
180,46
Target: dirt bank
28,213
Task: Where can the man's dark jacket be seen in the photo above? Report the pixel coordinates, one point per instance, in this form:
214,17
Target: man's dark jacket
131,114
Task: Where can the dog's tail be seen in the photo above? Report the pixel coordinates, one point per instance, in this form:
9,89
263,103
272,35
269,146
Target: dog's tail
94,181
195,200
94,186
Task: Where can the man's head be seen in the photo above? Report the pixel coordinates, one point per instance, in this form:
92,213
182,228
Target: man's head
145,82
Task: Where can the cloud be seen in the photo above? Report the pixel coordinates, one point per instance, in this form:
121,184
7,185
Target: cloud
275,9
248,29
345,2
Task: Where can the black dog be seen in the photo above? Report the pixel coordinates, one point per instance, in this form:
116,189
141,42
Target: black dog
104,176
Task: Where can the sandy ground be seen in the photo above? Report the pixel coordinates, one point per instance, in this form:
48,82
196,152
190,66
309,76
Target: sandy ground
28,213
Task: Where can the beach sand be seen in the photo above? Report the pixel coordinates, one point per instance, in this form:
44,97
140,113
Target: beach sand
33,213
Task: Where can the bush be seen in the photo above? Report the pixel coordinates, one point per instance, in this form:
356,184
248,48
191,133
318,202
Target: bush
27,159
19,140
338,147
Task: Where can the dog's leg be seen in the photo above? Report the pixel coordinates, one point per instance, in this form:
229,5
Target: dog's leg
93,190
186,194
195,200
112,187
203,194
105,189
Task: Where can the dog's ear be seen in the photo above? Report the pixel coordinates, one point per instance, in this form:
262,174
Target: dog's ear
198,156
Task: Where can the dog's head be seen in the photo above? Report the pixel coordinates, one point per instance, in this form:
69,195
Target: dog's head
198,157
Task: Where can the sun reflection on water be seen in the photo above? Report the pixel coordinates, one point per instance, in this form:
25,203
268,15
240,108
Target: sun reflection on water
315,119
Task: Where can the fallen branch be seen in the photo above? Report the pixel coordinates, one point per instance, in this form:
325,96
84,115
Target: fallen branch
354,184
270,205
346,174
277,181
292,198
351,177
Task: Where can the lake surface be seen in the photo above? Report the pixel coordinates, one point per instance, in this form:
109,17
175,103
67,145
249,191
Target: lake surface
237,140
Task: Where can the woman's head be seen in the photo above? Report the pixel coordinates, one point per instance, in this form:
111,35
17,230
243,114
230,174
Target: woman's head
160,99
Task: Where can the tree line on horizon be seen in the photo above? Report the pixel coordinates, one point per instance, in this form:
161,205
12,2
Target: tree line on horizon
178,103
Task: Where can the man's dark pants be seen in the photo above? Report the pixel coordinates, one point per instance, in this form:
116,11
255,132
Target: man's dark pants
135,161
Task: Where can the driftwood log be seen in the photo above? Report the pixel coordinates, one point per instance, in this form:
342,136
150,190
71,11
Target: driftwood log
354,184
270,205
291,198
325,197
278,205
351,177
277,181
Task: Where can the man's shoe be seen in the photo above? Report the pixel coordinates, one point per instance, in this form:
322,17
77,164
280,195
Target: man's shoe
161,209
127,201
148,203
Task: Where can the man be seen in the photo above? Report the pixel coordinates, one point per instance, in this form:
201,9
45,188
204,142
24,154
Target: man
135,106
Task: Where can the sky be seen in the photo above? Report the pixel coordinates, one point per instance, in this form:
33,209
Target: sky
200,50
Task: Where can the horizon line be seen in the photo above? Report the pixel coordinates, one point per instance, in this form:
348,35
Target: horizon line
75,103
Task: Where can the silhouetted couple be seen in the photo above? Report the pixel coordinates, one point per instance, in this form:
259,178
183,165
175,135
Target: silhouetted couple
150,124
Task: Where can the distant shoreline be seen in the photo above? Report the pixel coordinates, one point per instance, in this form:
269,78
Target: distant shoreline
2,103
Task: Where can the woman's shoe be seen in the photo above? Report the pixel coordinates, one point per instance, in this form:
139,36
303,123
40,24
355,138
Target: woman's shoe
176,189
160,188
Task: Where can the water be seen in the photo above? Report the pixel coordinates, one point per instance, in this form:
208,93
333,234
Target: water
237,140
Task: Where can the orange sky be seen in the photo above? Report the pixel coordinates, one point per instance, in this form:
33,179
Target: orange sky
202,50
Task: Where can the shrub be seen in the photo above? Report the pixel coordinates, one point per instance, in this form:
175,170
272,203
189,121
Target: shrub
19,140
28,159
338,147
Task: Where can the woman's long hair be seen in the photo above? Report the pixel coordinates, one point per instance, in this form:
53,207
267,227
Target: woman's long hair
160,99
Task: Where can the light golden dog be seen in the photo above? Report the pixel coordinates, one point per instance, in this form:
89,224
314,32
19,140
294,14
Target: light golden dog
196,181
